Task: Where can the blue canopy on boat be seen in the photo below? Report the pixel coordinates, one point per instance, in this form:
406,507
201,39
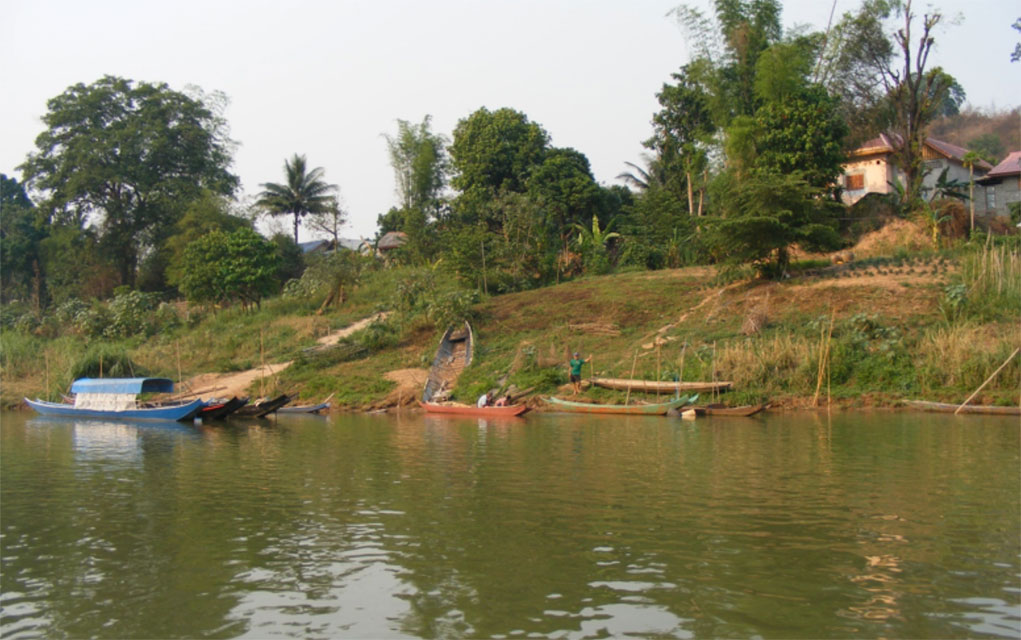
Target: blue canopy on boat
122,385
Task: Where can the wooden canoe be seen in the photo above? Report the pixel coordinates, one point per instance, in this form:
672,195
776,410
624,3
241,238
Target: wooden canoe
659,409
659,386
723,410
305,408
452,356
467,410
947,407
219,411
262,409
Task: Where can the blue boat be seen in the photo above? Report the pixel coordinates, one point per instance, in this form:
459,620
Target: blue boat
118,398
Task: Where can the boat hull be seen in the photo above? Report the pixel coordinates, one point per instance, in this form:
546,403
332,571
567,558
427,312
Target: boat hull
312,408
510,410
176,412
720,410
946,407
657,386
262,409
617,409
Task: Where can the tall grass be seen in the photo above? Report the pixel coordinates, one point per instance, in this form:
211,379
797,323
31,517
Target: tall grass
992,277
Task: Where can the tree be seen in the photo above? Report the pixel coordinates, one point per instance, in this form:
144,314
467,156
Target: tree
1016,54
127,158
563,186
914,93
21,234
224,267
682,131
329,221
304,192
803,131
593,245
420,163
495,151
765,215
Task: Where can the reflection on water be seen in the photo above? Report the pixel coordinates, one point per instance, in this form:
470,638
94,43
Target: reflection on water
893,525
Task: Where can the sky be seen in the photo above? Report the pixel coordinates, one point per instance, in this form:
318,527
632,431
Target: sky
329,78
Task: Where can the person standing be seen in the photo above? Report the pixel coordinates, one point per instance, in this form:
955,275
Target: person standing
575,364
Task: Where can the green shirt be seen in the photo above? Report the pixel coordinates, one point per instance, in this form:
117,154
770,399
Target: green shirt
576,366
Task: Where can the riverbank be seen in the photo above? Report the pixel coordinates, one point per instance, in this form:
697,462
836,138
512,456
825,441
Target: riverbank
890,325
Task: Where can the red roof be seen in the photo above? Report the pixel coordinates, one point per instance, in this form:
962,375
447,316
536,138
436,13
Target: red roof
1011,166
885,144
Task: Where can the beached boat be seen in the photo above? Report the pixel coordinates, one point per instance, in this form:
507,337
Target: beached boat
262,408
658,409
723,410
452,356
306,408
946,407
660,386
118,398
468,410
220,409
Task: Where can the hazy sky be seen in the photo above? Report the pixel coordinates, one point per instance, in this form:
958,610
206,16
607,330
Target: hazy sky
328,78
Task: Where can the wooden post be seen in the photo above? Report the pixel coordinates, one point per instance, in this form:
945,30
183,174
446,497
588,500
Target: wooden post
100,365
988,380
713,379
177,348
658,374
262,365
47,354
627,398
680,374
824,358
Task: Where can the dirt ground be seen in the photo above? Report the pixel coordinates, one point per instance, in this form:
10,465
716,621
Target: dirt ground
225,385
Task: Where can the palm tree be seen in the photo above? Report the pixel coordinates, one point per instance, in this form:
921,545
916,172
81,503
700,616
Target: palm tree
305,192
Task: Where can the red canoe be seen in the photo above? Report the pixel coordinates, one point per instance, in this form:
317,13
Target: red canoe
465,410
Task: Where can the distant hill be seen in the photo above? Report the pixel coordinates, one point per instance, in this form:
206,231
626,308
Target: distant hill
994,133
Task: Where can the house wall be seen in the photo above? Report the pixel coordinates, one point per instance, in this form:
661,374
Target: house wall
1007,190
934,168
877,172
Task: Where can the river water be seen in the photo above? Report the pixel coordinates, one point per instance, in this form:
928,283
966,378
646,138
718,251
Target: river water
898,525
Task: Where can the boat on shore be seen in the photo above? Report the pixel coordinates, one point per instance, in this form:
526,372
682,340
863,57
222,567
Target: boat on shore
658,409
262,408
307,408
452,356
660,386
947,407
723,410
218,410
468,410
118,398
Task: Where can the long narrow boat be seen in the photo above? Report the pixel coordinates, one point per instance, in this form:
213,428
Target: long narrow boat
658,409
264,408
467,410
118,398
660,386
723,410
306,408
220,410
946,407
452,356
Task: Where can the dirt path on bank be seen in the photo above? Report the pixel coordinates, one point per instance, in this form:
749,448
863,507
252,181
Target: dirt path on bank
225,385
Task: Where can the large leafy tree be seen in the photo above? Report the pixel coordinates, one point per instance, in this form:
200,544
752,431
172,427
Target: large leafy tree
764,215
303,192
21,233
240,266
495,151
127,158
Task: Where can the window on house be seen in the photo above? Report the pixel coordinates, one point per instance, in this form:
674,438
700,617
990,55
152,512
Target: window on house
990,198
855,182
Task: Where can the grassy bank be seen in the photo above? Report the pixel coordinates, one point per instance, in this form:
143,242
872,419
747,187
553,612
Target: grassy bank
881,329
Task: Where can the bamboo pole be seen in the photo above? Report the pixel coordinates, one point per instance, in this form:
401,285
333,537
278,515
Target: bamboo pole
100,365
47,355
177,348
824,358
680,374
713,378
658,374
627,398
262,366
988,380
